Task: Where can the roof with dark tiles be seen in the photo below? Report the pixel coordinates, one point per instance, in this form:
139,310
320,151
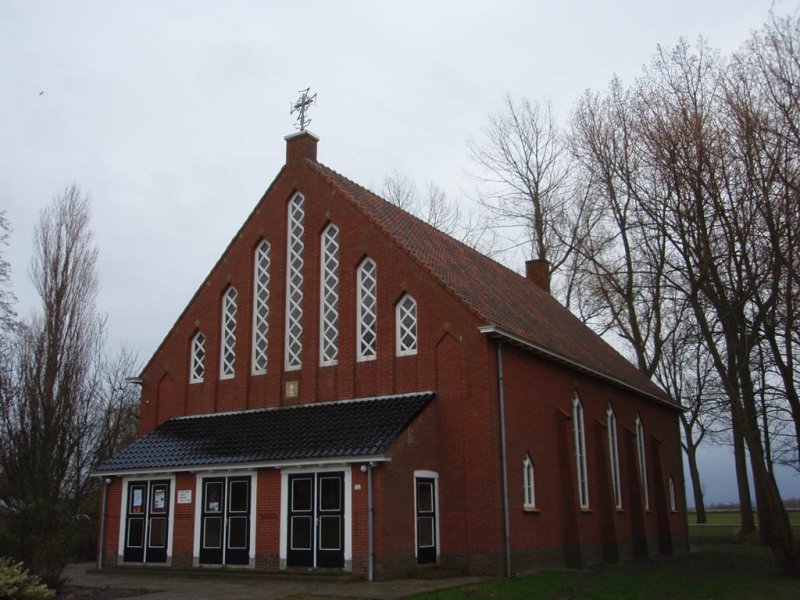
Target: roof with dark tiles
495,294
350,429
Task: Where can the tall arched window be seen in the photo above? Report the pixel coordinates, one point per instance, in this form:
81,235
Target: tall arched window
329,296
406,326
366,307
613,455
640,449
197,367
260,307
673,505
294,284
528,487
228,350
579,436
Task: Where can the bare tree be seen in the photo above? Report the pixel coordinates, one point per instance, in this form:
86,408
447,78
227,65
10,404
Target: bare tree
523,164
62,405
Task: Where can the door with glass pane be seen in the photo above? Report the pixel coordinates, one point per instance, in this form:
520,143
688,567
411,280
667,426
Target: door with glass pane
426,520
147,521
315,520
225,521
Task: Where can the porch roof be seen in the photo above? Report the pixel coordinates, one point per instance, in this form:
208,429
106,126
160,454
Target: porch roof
346,429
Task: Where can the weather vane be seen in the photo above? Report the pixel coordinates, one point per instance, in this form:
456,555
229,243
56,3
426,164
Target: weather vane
301,106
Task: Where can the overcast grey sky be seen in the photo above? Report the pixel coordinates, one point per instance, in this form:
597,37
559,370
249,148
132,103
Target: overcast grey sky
171,115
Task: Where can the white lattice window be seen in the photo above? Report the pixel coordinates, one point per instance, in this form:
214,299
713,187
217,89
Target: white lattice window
228,353
367,317
294,284
406,326
197,369
642,461
579,436
613,455
329,296
260,307
528,488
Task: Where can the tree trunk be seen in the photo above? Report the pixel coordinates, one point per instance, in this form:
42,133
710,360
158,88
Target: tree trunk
748,524
694,473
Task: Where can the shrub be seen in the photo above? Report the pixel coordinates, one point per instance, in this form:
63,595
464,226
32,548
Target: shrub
17,584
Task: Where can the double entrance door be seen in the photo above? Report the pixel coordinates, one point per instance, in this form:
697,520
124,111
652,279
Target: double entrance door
147,521
225,521
315,520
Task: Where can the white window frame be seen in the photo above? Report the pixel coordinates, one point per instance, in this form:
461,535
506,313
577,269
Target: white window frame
329,296
197,359
642,456
363,292
401,330
294,283
579,439
528,483
613,455
228,333
261,277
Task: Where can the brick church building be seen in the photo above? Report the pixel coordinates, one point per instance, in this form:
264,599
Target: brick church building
351,389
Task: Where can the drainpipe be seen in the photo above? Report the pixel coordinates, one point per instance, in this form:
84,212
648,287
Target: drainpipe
504,468
370,526
100,545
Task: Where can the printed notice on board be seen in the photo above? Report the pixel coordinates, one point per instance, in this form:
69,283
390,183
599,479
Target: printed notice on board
184,496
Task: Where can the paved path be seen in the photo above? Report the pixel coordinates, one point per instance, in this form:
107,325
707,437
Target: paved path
245,586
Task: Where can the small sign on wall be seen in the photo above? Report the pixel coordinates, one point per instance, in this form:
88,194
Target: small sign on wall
184,496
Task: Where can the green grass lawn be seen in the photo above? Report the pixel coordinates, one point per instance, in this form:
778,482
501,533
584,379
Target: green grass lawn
719,566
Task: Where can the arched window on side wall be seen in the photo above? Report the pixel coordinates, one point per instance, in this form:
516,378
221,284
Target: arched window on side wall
642,457
613,455
579,436
528,485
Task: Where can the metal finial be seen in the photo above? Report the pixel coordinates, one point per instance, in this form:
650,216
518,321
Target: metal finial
301,106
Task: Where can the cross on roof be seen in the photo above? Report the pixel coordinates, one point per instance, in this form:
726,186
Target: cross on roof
301,106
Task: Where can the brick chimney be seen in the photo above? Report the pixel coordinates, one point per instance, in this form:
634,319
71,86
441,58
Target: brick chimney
538,271
300,145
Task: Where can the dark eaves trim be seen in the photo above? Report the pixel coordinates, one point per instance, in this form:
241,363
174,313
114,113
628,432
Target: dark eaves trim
274,464
497,332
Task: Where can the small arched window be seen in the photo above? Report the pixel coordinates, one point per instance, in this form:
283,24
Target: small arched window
197,367
367,309
406,326
228,350
528,485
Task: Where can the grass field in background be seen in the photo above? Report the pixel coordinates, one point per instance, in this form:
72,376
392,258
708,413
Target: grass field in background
720,566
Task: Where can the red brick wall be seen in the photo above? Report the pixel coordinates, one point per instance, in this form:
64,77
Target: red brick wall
538,398
166,390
